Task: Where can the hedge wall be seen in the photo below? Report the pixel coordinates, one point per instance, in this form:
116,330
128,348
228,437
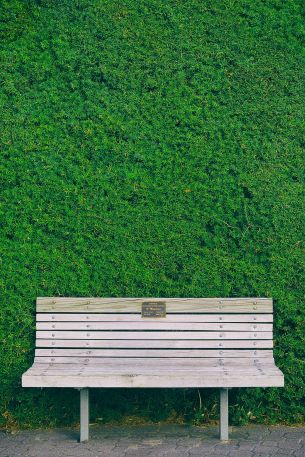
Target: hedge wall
151,148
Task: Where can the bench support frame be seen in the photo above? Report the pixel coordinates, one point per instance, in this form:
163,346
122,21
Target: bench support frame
84,415
224,415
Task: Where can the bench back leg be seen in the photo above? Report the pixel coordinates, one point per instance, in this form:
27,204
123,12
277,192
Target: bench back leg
84,415
224,415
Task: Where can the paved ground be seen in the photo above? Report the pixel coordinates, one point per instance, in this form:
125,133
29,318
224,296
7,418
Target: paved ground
154,441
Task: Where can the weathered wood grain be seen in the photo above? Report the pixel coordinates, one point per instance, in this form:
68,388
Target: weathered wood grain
178,344
152,366
157,362
143,325
153,380
173,305
101,335
146,353
170,318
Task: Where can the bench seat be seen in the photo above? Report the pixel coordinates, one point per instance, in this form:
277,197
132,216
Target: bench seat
87,343
157,372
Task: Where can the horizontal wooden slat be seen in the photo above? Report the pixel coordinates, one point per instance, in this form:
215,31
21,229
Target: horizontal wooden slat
123,371
104,353
101,317
75,335
160,366
173,305
167,363
177,344
143,325
153,380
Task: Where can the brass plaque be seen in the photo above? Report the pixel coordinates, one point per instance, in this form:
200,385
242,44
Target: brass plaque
154,309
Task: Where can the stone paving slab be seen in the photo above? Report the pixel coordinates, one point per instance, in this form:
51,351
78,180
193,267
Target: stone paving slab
156,441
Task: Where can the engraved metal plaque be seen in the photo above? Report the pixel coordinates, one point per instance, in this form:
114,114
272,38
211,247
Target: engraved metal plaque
154,309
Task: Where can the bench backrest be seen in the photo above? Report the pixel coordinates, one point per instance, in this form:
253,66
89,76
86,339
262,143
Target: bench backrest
73,329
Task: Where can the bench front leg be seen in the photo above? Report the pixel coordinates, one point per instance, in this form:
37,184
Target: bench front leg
84,415
224,415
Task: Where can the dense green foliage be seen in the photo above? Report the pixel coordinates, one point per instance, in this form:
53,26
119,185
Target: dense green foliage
151,148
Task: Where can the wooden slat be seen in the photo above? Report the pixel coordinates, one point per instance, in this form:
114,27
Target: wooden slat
238,353
157,325
75,335
167,363
210,372
140,369
153,380
101,317
173,305
175,344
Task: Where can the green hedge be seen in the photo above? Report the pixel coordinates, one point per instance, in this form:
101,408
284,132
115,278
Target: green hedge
151,148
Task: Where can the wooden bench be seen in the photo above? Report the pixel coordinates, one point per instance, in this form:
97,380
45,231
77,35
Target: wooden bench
153,342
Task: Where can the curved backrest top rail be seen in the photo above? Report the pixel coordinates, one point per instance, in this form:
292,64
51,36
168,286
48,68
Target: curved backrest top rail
173,305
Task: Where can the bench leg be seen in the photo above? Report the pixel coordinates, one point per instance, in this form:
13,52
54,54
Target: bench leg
84,415
224,415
